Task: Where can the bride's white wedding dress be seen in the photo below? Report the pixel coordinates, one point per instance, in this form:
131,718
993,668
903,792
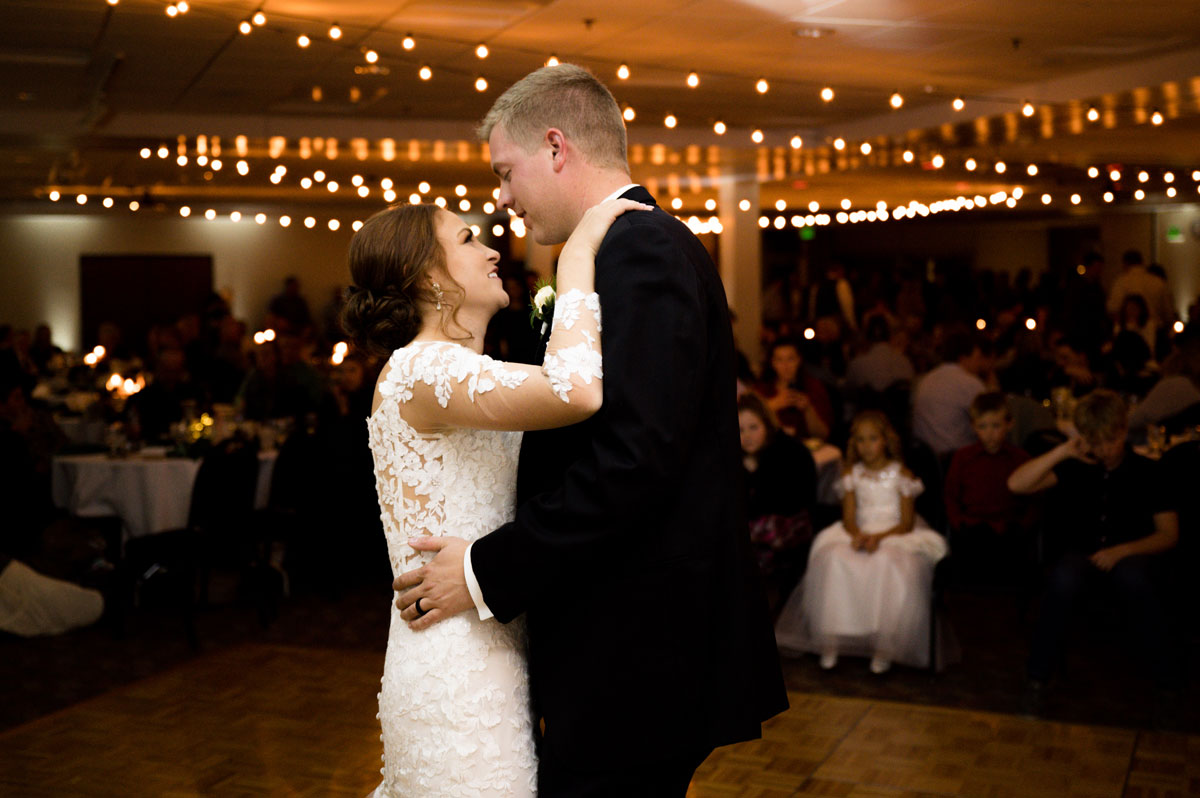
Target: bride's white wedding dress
454,701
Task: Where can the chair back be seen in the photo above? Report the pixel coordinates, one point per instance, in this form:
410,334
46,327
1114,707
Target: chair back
225,485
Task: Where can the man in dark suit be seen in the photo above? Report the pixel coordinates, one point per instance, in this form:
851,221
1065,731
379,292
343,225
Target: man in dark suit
649,639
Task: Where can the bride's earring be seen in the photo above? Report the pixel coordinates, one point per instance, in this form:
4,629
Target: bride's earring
438,295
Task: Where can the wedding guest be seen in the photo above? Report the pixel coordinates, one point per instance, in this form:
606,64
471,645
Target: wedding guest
1117,522
942,398
1177,391
1134,318
987,522
781,488
229,363
161,403
832,296
867,588
796,397
1136,279
43,349
883,364
290,306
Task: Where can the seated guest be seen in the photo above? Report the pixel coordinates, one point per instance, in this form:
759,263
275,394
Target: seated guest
942,398
43,350
1117,521
160,404
1178,390
987,522
1134,317
883,364
1072,367
870,576
780,482
796,397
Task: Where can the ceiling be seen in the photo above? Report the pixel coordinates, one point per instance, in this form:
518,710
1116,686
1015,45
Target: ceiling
85,85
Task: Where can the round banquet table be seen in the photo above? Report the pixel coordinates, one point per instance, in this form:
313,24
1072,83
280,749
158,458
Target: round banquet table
148,491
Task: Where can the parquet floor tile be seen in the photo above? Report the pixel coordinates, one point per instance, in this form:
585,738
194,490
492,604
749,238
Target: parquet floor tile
263,720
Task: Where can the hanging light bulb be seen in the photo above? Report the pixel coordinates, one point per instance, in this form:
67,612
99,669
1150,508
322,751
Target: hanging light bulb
371,56
719,128
865,148
1093,171
629,114
425,73
827,94
245,27
762,87
481,83
797,142
623,72
335,32
958,104
693,80
970,164
1093,114
839,144
1027,109
303,41
670,121
1156,118
259,18
552,61
938,162
896,100
907,156
408,42
757,137
481,51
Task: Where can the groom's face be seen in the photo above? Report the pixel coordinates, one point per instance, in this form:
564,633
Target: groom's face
527,186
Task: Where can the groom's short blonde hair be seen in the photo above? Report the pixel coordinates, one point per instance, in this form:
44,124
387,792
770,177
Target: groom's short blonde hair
569,98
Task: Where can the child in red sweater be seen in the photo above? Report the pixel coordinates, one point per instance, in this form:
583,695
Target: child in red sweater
988,524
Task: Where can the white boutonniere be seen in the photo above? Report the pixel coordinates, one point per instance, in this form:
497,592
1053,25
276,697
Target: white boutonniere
541,311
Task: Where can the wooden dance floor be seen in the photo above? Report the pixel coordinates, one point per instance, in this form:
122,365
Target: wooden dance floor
282,721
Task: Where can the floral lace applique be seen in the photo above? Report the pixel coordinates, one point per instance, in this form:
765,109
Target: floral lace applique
569,307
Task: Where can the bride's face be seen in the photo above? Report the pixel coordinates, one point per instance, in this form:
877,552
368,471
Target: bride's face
471,264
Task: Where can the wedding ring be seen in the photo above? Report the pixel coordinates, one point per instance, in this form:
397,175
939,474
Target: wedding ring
419,610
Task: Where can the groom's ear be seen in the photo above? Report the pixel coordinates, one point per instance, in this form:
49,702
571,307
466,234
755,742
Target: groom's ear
556,143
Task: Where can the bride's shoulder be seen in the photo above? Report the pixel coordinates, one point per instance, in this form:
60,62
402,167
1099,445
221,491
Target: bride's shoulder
441,365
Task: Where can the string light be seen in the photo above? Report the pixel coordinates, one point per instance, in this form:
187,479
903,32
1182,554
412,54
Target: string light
814,206
1171,192
163,152
1156,118
1108,196
172,10
335,32
693,80
108,202
970,164
762,87
1139,194
481,84
408,42
676,203
629,114
423,186
896,100
414,199
1093,171
425,73
481,51
839,144
260,218
310,222
623,72
1031,170
907,156
670,121
1168,177
306,182
235,216
259,18
1076,199
796,142
1093,114
134,205
958,104
55,196
827,94
552,61
245,27
865,148
185,211
1143,176
371,56
1001,167
757,137
938,162
303,40
719,128
1027,109
1115,175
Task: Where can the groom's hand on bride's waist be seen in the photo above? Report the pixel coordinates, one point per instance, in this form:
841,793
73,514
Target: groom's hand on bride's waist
439,586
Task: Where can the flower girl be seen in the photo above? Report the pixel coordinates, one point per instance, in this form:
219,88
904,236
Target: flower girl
867,588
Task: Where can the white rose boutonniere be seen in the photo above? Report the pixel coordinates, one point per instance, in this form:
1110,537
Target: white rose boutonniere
542,310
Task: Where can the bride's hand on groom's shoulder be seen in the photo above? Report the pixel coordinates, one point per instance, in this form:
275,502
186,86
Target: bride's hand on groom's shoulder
439,586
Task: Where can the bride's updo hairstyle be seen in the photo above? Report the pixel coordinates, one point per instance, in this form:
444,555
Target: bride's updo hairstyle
392,262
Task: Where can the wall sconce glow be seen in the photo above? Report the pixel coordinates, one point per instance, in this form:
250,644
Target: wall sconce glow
762,87
719,128
827,94
958,104
623,72
693,80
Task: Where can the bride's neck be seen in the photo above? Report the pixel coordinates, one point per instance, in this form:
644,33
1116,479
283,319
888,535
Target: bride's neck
465,329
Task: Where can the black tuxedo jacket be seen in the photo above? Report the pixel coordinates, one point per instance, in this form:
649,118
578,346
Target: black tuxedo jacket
629,554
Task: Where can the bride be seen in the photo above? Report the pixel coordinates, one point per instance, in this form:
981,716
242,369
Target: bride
444,432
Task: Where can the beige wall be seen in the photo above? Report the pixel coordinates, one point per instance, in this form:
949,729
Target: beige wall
1181,260
39,262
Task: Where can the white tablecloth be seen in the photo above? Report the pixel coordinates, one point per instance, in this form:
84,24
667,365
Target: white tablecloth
148,493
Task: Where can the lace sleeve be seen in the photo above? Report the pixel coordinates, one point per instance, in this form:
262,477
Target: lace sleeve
440,385
573,352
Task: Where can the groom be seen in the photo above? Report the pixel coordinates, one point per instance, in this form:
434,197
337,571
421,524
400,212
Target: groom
649,640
